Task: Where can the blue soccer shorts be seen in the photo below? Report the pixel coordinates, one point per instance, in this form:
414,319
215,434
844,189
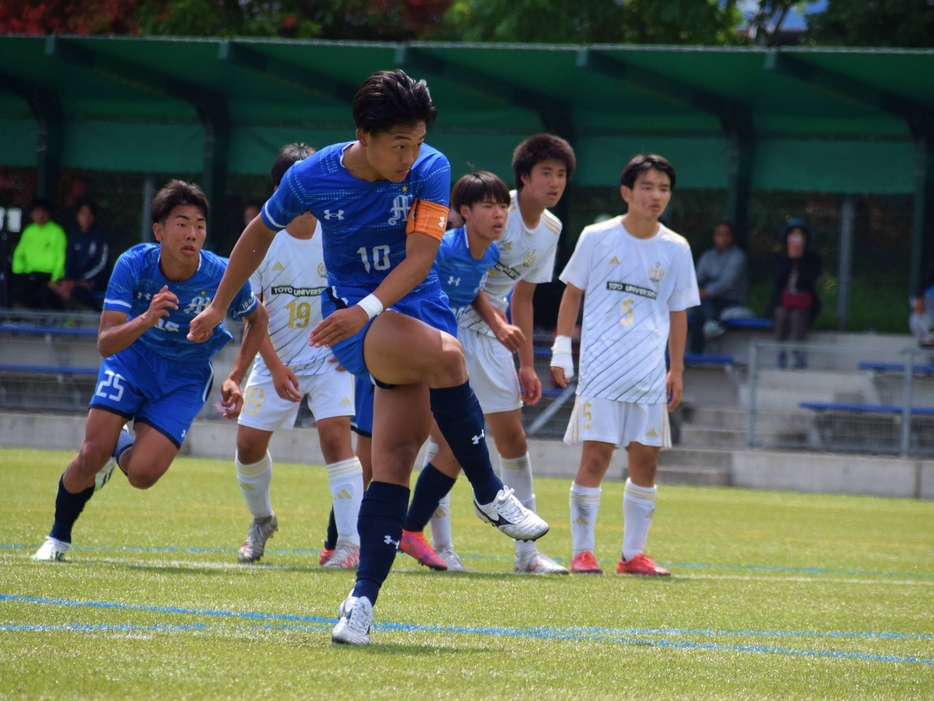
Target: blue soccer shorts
139,384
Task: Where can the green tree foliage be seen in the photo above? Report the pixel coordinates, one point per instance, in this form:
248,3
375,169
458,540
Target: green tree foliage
902,23
593,21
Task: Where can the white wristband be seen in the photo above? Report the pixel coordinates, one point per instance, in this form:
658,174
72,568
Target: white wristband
561,356
562,344
371,305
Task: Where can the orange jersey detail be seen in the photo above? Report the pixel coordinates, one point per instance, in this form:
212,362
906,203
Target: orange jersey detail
428,218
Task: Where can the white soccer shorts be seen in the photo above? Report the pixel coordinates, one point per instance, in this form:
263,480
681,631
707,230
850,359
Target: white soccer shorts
492,372
618,423
328,394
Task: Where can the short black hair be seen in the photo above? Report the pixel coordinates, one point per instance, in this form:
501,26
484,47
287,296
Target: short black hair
177,193
724,222
89,203
41,203
287,156
538,148
643,163
479,186
391,98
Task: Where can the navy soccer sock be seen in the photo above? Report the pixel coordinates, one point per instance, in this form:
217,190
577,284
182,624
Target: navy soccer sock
431,488
460,419
380,527
68,507
330,541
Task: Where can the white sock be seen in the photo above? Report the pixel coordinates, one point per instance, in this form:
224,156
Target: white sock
345,479
585,503
638,507
441,525
517,473
254,483
431,451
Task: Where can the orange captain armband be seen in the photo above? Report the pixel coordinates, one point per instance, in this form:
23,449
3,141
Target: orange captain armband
428,218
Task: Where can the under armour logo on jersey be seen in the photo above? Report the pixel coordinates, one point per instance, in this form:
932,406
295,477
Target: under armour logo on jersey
476,439
339,214
389,541
400,208
456,281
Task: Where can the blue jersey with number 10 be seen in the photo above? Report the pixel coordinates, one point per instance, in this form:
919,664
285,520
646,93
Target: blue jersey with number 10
462,276
363,222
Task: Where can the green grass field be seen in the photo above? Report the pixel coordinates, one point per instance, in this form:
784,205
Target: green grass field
773,595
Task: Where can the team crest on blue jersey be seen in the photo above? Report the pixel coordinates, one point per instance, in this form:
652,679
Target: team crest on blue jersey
400,208
198,304
656,272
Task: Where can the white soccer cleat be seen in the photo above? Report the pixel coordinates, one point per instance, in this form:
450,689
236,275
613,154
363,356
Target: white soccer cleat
103,477
537,563
451,558
346,556
260,530
52,550
356,617
508,514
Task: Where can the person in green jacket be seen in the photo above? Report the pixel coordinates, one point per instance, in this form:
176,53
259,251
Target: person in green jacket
39,260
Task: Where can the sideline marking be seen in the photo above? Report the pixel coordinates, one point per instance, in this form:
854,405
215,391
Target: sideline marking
591,635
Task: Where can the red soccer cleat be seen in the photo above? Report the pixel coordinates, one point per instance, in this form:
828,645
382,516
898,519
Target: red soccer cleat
326,555
413,543
585,563
642,565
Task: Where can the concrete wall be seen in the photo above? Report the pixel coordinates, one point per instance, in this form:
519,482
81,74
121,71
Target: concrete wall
791,471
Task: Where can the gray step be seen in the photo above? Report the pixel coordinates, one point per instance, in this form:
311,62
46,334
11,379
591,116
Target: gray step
711,438
714,417
695,458
695,476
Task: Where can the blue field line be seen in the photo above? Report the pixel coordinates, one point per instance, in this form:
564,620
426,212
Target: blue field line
587,634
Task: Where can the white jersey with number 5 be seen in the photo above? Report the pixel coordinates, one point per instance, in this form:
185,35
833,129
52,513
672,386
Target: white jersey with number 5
524,254
291,279
631,285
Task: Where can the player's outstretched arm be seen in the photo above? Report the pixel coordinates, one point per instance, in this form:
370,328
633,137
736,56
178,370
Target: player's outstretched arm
116,333
244,260
254,333
507,334
677,337
420,250
562,362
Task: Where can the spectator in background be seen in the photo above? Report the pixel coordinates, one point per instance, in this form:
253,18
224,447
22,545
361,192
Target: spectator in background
39,260
921,321
721,280
250,212
86,261
794,304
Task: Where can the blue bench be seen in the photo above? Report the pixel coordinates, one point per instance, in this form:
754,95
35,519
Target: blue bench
35,330
48,370
855,408
924,369
748,324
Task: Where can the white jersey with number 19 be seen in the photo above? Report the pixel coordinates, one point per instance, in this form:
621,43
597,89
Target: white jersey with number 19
631,285
291,279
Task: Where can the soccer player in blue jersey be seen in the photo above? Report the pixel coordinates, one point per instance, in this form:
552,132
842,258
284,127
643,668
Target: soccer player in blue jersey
383,203
464,259
151,372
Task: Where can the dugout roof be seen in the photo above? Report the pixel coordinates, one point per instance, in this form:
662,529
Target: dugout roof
821,120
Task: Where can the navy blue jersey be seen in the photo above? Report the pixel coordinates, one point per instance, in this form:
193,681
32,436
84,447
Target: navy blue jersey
88,257
137,278
363,222
462,276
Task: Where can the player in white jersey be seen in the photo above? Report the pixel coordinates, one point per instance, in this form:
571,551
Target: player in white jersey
290,281
542,165
637,279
